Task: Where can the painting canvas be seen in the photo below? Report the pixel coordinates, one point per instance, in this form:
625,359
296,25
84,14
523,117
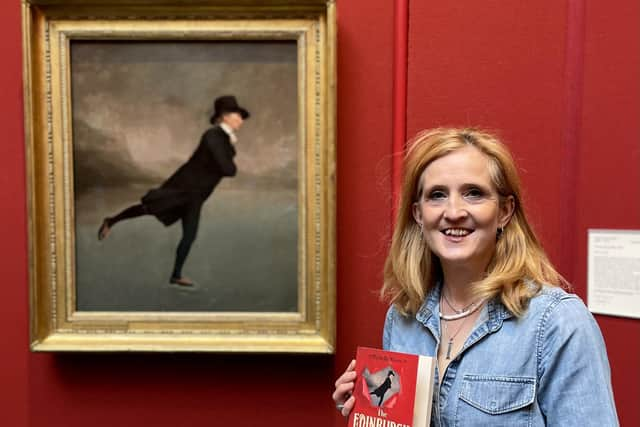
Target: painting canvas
139,111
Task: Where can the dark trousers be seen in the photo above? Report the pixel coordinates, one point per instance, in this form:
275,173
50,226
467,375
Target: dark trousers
190,221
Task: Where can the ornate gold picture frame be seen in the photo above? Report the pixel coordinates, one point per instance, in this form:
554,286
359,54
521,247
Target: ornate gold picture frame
117,95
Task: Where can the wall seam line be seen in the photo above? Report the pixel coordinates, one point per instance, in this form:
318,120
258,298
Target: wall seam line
574,82
399,107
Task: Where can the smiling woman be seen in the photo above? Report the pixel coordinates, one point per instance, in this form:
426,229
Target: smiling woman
470,285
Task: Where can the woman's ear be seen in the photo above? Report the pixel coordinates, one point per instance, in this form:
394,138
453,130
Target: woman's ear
417,214
507,207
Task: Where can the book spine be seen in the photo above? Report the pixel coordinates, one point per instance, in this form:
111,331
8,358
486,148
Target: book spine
424,391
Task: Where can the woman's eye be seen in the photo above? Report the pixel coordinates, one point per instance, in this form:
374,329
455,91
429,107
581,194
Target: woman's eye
474,193
437,195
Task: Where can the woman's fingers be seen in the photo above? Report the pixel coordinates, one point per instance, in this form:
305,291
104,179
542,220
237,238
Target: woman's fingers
342,392
344,389
348,375
348,406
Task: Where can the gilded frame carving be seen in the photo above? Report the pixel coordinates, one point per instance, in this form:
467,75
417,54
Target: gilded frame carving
56,323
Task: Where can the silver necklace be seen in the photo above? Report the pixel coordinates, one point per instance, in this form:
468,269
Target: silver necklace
470,310
457,310
452,337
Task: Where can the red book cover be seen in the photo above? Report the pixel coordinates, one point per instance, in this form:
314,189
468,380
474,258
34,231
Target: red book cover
392,389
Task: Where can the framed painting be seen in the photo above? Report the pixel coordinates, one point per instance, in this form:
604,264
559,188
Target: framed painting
181,175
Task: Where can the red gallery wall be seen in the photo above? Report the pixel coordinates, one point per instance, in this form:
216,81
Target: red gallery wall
558,79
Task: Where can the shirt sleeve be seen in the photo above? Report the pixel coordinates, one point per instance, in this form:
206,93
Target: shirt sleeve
573,370
221,155
386,332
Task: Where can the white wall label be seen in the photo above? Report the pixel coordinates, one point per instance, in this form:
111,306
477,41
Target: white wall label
613,278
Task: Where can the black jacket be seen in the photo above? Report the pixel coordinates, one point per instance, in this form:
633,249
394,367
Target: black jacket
195,180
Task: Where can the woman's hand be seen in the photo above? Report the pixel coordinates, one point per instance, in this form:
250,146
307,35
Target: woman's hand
344,390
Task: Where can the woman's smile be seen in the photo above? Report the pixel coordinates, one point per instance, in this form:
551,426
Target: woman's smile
456,232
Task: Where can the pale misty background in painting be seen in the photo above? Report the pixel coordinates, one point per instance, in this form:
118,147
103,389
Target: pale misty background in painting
139,110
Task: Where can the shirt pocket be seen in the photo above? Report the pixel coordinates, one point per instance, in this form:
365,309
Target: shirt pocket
495,401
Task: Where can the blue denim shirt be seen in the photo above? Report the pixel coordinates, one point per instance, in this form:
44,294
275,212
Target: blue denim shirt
549,367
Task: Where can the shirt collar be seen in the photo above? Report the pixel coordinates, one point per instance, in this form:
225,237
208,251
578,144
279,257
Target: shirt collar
431,304
227,129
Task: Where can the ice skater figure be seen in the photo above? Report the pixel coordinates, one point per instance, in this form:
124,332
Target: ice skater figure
382,388
181,196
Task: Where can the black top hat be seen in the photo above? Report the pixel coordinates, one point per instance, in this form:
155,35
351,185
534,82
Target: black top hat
227,104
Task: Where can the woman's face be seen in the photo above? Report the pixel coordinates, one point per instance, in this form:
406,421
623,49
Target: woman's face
460,210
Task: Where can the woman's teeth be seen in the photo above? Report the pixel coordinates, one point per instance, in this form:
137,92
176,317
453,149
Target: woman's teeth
456,232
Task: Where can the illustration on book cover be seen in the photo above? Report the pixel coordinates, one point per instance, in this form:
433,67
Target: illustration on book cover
382,387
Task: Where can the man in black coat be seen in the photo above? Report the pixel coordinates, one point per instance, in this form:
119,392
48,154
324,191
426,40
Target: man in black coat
181,196
382,388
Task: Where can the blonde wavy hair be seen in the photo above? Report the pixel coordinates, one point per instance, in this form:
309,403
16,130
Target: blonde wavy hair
519,266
